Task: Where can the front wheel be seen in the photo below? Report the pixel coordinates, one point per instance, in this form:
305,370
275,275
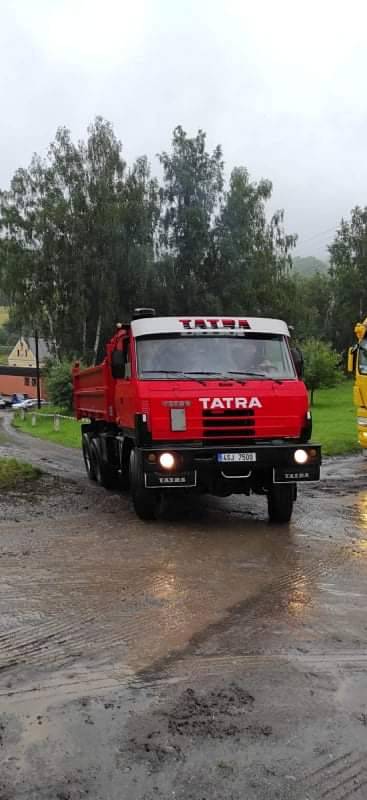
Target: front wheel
280,503
145,501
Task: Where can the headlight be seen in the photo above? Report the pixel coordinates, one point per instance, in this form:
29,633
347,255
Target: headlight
362,420
300,456
167,460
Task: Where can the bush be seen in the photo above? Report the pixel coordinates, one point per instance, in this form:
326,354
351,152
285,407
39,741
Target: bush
13,472
321,365
59,385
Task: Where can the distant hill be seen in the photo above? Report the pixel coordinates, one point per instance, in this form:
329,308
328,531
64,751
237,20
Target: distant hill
309,266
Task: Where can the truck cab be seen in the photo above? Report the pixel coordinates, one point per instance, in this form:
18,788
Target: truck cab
199,404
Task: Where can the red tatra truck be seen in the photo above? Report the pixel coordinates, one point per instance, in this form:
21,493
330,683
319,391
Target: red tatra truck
205,404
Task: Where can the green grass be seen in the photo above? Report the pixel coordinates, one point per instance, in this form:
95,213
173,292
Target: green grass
13,473
334,420
68,435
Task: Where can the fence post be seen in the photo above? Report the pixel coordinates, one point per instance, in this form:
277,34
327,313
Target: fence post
34,420
22,414
56,422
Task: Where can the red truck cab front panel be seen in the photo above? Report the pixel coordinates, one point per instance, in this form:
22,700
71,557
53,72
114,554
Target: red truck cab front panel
225,411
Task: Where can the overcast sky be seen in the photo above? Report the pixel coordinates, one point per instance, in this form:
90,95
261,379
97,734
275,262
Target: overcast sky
281,84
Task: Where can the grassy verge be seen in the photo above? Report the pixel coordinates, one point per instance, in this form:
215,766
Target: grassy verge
334,420
13,473
68,435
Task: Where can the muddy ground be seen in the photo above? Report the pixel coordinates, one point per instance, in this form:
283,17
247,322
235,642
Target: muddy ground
208,656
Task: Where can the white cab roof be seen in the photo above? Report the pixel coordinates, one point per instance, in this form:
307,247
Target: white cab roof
215,325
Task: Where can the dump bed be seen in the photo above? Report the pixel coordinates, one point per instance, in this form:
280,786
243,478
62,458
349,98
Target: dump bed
93,393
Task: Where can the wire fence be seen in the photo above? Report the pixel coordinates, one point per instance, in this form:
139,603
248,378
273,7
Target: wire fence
22,413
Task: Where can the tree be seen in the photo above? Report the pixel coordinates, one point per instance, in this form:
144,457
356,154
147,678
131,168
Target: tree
348,269
253,254
84,238
306,304
59,385
321,365
78,230
191,194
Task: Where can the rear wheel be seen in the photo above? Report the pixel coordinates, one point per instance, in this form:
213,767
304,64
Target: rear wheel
87,455
106,475
145,501
280,503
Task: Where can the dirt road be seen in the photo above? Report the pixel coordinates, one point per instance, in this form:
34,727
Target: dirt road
204,657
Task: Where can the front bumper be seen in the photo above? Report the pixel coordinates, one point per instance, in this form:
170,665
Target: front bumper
262,465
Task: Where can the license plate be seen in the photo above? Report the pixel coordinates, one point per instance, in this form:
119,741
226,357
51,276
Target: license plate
236,457
284,475
153,480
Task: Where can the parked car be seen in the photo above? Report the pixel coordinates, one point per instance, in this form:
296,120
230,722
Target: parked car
24,404
3,403
28,403
17,398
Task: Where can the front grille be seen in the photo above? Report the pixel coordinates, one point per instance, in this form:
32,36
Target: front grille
230,426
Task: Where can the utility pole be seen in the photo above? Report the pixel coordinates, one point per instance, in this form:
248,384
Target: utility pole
37,370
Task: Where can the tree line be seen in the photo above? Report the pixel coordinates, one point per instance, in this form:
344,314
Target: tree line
85,237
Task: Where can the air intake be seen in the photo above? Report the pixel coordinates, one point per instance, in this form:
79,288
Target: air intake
142,313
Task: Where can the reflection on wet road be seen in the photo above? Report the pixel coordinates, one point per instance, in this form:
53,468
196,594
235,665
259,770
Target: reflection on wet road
116,636
98,588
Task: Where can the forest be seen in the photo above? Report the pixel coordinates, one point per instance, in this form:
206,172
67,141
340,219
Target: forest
86,237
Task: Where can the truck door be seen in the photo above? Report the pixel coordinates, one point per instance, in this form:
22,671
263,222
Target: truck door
125,391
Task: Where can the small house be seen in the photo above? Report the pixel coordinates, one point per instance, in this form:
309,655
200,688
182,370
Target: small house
23,353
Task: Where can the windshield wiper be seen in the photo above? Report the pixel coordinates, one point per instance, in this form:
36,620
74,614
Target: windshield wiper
252,374
188,375
259,375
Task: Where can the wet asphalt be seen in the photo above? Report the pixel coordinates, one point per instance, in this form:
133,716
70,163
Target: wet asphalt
207,655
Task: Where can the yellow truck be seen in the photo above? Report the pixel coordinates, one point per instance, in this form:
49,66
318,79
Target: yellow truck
357,363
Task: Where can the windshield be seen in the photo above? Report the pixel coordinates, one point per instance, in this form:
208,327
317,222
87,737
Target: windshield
261,356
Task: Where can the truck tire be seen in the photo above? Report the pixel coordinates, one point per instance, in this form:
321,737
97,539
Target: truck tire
145,501
106,475
87,455
280,503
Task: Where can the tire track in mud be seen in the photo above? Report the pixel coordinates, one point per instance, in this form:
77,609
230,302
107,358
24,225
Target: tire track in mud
113,643
55,642
67,789
340,778
76,683
271,600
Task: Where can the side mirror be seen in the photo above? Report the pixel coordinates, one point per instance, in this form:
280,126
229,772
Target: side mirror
298,361
351,363
118,364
